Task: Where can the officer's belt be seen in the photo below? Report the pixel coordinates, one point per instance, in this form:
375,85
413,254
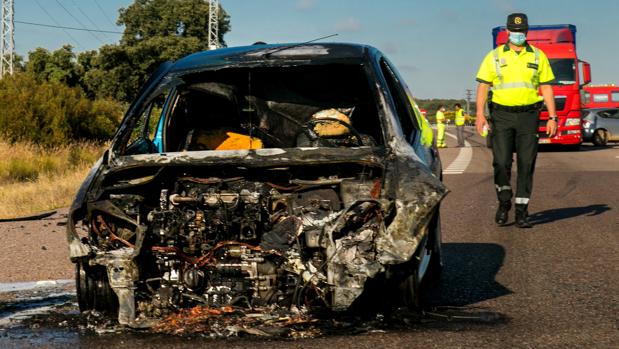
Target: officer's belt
517,108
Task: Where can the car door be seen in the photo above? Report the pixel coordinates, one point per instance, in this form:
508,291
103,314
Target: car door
611,123
408,116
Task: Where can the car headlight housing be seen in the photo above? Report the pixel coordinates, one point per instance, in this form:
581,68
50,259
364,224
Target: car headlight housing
572,122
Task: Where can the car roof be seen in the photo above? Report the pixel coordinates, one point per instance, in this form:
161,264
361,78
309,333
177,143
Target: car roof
274,54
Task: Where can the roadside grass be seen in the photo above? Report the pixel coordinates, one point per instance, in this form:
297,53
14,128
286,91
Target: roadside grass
35,179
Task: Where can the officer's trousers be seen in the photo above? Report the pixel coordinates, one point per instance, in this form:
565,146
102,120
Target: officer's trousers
460,135
514,132
440,135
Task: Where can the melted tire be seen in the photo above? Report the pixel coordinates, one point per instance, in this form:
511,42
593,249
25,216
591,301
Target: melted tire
93,289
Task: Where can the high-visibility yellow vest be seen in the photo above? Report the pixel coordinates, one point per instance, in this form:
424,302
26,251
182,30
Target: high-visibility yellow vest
515,76
440,117
427,136
459,117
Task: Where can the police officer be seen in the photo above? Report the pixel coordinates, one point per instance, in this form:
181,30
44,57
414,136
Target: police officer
515,71
459,121
440,127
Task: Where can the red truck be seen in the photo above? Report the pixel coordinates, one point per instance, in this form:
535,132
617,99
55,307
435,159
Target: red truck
559,44
601,96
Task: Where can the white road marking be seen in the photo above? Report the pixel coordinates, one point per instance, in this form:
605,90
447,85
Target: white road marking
29,285
462,161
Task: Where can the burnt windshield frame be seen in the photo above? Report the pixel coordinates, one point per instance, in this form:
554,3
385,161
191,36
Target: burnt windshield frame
564,70
229,75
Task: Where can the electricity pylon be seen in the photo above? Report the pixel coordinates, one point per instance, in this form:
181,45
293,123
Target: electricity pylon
7,41
213,24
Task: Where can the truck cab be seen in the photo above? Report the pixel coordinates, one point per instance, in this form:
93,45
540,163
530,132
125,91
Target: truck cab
558,42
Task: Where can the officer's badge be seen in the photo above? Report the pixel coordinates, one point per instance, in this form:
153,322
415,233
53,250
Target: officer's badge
518,20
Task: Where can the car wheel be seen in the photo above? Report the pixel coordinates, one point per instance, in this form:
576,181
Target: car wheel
600,138
93,289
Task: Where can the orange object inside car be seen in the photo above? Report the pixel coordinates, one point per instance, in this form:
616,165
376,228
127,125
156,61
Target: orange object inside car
222,139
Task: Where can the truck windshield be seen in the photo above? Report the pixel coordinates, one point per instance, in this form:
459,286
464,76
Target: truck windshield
564,71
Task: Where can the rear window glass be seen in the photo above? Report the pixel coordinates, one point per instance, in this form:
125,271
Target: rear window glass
600,98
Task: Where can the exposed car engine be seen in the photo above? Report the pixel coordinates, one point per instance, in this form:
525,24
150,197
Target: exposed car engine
231,241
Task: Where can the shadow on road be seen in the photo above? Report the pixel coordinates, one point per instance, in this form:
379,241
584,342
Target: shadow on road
556,148
468,276
557,214
591,147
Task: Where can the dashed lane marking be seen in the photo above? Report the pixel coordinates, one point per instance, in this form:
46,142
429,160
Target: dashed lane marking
462,161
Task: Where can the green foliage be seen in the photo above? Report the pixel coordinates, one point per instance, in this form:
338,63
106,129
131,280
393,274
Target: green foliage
63,96
21,171
59,66
50,113
148,19
155,31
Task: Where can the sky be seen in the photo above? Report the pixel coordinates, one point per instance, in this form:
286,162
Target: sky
437,45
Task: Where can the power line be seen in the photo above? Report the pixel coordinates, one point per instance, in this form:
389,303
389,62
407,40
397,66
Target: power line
103,13
85,15
70,28
77,20
58,24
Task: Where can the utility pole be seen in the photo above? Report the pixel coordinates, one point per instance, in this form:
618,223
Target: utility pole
7,41
469,93
213,24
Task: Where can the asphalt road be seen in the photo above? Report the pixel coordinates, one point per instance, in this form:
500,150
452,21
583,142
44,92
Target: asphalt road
553,286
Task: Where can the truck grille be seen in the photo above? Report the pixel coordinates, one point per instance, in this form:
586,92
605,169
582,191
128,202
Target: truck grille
559,103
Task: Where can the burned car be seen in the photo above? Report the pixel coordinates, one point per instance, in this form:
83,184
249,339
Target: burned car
287,175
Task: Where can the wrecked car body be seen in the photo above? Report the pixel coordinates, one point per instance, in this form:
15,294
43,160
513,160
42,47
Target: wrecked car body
292,175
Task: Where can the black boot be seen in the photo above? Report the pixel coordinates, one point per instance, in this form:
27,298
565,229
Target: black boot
522,217
501,213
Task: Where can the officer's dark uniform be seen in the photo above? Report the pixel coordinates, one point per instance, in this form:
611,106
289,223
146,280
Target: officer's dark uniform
515,77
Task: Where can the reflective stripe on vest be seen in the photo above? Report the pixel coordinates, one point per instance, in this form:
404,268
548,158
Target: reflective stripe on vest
519,84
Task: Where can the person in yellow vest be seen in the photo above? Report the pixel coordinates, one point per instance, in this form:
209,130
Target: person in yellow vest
515,71
459,121
440,127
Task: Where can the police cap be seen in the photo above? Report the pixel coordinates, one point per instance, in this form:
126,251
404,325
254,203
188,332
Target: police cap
517,22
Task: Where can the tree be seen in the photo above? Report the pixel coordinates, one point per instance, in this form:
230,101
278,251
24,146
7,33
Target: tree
59,65
148,19
155,31
51,113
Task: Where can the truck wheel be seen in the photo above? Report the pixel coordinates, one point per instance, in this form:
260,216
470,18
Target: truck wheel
600,138
93,289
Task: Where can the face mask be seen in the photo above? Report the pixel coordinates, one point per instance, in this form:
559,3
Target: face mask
517,38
